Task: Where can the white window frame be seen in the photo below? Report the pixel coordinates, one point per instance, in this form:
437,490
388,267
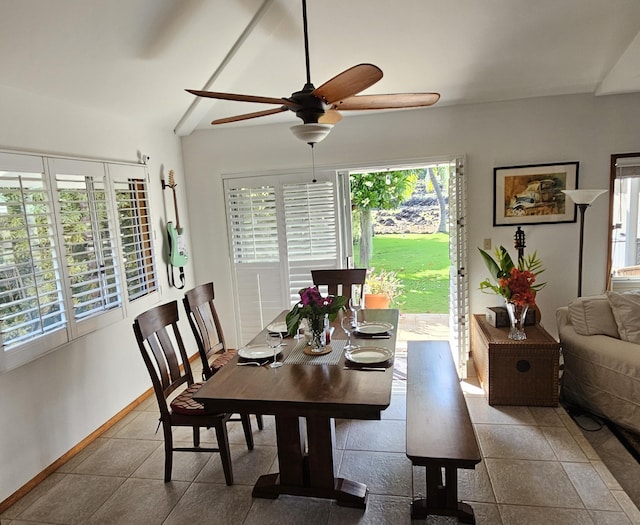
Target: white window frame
13,356
96,172
138,173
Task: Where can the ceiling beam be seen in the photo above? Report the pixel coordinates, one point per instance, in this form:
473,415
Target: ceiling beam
199,107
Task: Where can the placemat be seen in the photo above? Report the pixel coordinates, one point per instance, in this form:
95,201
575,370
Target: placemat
298,357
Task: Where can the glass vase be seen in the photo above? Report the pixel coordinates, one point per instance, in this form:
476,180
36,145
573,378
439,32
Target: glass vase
517,314
317,334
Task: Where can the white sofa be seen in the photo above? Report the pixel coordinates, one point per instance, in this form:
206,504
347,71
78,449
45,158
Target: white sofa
600,339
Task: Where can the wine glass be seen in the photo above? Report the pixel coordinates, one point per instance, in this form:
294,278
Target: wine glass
274,341
355,304
347,325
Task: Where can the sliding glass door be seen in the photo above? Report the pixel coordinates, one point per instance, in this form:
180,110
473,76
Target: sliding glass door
280,227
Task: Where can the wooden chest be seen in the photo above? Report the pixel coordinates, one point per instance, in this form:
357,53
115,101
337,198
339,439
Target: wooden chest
515,372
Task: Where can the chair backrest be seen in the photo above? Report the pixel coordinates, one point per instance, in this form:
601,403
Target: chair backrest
340,281
156,331
205,324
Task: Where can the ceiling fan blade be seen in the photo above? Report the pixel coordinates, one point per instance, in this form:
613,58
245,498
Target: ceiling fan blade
242,98
348,83
331,116
248,116
391,101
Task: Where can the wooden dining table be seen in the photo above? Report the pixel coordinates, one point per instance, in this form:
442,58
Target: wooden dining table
305,397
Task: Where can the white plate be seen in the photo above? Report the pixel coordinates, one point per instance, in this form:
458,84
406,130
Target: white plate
368,355
257,352
374,328
278,327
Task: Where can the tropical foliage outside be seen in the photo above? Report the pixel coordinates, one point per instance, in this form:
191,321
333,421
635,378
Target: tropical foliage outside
400,226
422,264
378,191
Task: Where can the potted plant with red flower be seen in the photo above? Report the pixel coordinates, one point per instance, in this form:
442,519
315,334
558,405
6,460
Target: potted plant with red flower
517,284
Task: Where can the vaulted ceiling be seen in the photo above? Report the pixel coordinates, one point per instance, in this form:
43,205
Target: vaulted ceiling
134,58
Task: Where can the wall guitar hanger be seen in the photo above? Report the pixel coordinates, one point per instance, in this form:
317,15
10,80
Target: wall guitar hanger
178,256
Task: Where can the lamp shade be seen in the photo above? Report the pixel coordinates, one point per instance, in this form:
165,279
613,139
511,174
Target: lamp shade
311,133
583,196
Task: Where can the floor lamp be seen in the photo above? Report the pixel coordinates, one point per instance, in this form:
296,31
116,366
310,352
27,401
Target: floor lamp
583,199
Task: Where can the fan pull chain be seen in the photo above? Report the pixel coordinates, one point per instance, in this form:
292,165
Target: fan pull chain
313,164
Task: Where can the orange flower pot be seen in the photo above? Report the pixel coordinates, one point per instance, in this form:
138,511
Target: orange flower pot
376,300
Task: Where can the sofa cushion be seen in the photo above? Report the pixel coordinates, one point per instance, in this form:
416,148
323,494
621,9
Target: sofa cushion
626,311
593,316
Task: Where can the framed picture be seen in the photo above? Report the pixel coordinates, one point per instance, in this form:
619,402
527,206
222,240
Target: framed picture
533,194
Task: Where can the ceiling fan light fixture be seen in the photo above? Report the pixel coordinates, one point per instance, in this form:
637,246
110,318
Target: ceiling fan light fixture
311,133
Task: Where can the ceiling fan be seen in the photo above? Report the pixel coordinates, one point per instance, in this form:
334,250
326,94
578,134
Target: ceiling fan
318,107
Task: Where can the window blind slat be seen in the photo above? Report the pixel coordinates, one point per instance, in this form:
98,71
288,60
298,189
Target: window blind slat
310,221
254,225
136,242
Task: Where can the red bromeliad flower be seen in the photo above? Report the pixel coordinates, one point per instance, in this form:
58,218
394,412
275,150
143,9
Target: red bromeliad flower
517,284
520,287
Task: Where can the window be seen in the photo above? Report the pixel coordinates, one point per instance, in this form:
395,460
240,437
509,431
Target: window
135,228
280,226
254,224
71,234
311,231
31,300
134,217
624,232
310,221
88,240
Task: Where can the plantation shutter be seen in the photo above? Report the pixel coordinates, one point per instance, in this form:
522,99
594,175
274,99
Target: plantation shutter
31,299
280,227
311,229
70,229
458,274
134,217
253,232
88,233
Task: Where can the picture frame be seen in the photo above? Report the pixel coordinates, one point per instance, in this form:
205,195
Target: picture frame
532,194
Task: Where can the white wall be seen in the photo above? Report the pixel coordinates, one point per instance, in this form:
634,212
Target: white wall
554,129
50,405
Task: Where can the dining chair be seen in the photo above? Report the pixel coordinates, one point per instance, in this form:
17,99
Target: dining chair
207,330
157,334
340,281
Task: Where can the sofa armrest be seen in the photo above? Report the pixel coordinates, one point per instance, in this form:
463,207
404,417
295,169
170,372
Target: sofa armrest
562,318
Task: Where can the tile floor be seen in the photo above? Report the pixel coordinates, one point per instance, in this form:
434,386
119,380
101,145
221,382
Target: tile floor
538,468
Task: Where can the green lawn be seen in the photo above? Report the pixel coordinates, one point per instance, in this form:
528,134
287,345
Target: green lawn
421,262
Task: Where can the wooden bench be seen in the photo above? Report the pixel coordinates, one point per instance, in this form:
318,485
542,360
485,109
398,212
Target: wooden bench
439,430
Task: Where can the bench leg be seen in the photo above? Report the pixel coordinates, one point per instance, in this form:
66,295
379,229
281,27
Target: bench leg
442,497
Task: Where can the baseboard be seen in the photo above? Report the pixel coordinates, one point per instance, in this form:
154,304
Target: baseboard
31,484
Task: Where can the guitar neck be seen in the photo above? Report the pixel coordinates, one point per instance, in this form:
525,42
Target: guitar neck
175,207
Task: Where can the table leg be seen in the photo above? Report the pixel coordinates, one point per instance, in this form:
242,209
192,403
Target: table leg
291,453
291,460
311,474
